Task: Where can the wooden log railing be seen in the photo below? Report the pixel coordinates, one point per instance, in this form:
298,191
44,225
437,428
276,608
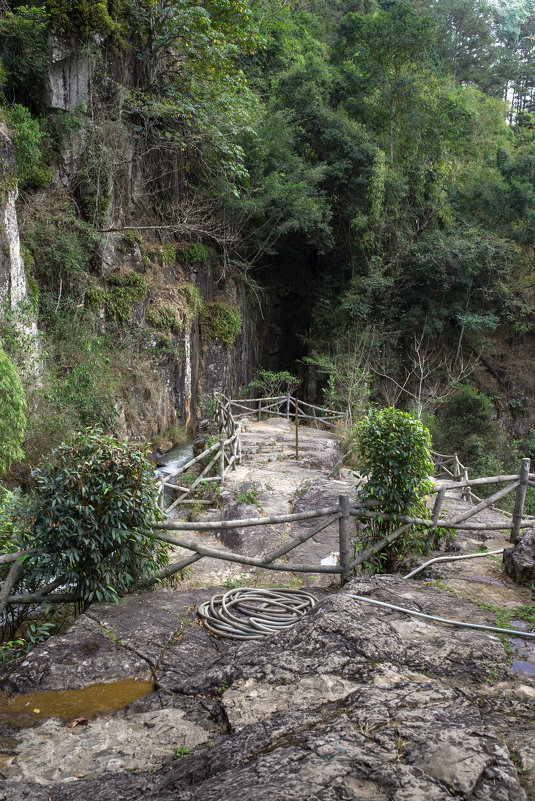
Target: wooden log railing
347,535
226,453
346,512
221,456
286,406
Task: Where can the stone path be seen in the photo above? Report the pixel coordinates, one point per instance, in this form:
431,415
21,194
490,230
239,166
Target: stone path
354,703
278,484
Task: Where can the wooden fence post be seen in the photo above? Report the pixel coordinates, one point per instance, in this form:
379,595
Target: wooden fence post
259,410
222,460
288,407
296,428
456,470
467,492
344,529
437,508
519,501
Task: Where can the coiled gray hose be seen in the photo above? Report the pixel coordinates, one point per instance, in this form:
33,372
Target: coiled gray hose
245,613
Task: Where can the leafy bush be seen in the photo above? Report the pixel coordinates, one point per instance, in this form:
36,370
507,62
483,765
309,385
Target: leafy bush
224,321
62,246
248,496
165,318
26,135
177,435
12,413
270,384
393,454
128,289
91,507
83,368
194,253
24,46
465,425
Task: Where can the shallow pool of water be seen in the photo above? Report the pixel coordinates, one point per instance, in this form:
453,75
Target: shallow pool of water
28,710
522,666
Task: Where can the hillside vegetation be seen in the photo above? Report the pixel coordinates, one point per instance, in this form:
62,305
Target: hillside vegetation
364,169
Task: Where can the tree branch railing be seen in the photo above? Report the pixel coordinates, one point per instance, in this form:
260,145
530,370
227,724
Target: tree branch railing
175,532
287,406
226,453
450,466
365,512
222,456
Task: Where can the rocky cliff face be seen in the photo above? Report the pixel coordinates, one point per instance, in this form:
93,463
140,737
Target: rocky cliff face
163,391
13,284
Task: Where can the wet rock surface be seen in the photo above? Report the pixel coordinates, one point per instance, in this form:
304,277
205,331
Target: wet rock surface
354,702
111,642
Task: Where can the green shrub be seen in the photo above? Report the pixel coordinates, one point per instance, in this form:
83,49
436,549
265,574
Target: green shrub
193,299
91,507
61,245
26,135
249,496
224,321
270,384
194,253
393,454
465,425
12,413
165,318
167,255
128,289
177,435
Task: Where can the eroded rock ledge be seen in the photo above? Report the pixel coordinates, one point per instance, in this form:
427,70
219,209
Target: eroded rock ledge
354,702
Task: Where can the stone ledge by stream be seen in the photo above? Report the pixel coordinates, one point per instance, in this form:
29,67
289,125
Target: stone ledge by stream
353,703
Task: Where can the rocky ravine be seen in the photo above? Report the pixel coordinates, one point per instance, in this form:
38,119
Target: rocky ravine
354,702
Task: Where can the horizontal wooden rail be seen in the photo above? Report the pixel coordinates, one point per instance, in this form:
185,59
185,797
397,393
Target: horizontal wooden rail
476,482
230,556
217,525
422,521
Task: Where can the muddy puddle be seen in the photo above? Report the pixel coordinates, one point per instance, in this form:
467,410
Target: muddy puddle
28,710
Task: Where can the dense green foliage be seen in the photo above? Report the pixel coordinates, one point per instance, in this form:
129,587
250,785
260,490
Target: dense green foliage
91,507
392,451
465,425
12,413
371,164
270,384
223,321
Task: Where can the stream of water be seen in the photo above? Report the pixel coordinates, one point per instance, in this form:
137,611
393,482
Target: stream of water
174,459
170,462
